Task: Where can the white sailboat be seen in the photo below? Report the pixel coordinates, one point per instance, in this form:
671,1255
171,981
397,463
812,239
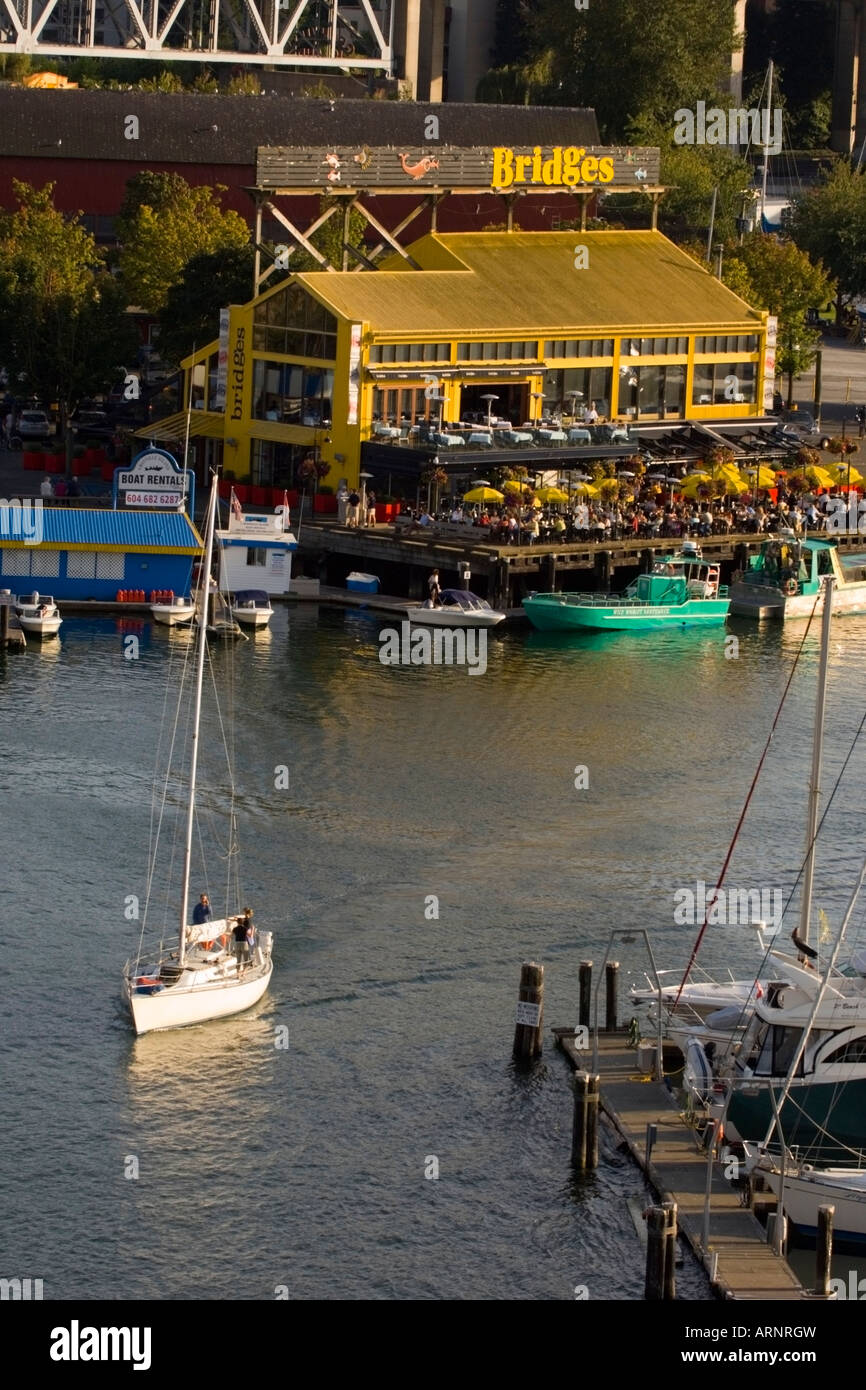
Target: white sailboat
204,975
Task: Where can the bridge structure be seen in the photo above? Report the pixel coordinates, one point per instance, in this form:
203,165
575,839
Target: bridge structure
328,35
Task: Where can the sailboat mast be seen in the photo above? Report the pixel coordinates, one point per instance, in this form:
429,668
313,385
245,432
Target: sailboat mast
766,165
817,757
204,589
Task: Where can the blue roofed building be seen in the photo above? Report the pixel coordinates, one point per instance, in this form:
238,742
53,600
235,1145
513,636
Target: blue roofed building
79,554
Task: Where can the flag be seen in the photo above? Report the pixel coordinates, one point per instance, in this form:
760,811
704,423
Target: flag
237,509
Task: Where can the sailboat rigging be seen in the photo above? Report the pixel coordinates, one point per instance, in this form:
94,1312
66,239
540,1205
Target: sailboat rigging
202,977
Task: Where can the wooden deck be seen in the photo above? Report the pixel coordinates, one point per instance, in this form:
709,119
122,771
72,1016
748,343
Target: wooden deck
746,1267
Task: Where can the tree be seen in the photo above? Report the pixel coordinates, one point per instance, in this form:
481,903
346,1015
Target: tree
64,333
785,282
328,241
208,283
164,223
691,172
628,60
829,223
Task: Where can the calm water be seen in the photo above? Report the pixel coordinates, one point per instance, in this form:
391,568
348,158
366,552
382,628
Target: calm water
305,1167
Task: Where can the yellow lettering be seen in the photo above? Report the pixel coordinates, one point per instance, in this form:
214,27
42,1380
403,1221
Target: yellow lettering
503,176
536,164
589,169
605,169
520,163
570,163
552,169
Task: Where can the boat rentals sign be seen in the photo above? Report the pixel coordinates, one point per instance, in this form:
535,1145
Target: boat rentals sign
153,479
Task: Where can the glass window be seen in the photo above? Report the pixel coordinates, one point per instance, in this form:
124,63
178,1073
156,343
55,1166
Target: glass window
853,1051
650,391
291,321
292,394
257,555
702,385
675,391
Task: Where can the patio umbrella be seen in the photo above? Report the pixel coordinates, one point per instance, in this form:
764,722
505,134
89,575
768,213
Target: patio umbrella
514,486
483,494
841,473
765,477
587,489
551,494
820,477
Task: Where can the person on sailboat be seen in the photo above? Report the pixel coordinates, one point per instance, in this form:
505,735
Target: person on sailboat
243,923
202,912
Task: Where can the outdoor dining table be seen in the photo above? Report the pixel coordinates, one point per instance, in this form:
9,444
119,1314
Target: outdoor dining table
386,431
579,436
481,437
551,436
447,441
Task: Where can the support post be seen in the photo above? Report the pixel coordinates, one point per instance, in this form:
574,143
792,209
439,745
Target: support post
824,1250
611,976
654,1283
579,1121
4,624
530,1012
670,1243
584,1008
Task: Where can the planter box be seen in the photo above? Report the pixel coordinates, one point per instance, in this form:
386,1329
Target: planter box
224,488
260,496
107,472
386,511
323,503
55,463
31,461
81,467
242,491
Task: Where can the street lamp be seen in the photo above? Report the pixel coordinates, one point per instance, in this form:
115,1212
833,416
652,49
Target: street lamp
363,477
539,396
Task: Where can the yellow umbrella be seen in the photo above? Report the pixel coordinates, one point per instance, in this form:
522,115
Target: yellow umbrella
483,494
762,476
840,470
551,494
587,489
514,486
819,477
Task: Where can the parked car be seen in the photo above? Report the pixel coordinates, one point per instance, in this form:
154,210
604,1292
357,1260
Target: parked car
799,426
91,424
31,425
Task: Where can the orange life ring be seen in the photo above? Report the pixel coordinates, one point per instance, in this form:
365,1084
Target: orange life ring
790,586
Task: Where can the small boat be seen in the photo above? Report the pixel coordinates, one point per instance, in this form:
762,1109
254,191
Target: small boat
251,607
459,608
179,610
198,975
38,613
786,579
803,1188
681,590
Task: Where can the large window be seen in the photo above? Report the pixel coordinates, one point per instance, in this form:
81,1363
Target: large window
723,383
652,389
401,406
273,464
294,323
292,394
743,342
573,389
654,347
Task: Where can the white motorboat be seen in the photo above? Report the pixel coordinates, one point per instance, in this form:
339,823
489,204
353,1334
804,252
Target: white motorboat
203,973
458,608
802,1189
251,608
180,610
38,613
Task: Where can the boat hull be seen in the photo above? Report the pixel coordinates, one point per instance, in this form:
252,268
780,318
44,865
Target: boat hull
172,614
572,613
453,617
804,1194
179,1008
766,601
827,1119
41,627
252,617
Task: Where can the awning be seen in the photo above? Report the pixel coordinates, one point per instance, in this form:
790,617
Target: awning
208,423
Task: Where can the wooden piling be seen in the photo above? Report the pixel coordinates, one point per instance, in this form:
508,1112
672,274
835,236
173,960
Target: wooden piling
661,1252
4,624
530,1012
611,975
593,1100
584,1010
824,1250
580,1084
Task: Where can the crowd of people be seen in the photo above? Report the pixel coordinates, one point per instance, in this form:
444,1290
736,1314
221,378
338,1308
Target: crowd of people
644,518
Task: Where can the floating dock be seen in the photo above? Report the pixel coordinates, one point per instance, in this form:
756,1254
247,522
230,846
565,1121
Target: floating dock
737,1258
11,632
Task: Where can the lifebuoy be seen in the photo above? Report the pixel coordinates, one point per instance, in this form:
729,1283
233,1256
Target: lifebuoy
790,586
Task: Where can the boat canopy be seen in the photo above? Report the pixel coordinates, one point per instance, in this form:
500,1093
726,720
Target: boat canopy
463,598
257,596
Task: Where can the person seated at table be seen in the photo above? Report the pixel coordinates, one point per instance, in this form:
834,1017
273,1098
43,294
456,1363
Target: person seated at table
425,519
457,515
559,525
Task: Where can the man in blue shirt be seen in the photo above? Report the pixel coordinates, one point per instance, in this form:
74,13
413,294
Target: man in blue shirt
201,911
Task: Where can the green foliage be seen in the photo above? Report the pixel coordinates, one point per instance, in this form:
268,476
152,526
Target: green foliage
829,223
163,81
628,61
244,84
328,241
207,283
63,326
163,224
691,172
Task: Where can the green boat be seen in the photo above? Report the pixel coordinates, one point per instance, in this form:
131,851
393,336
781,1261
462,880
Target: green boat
681,590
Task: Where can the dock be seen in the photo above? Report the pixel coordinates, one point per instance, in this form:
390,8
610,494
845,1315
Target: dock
737,1258
11,632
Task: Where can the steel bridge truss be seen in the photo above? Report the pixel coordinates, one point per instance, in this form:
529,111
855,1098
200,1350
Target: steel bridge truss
327,35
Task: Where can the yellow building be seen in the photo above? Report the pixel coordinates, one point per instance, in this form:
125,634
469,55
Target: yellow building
547,323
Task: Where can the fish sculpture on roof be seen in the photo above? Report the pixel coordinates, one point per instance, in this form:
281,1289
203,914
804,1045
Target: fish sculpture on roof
417,171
